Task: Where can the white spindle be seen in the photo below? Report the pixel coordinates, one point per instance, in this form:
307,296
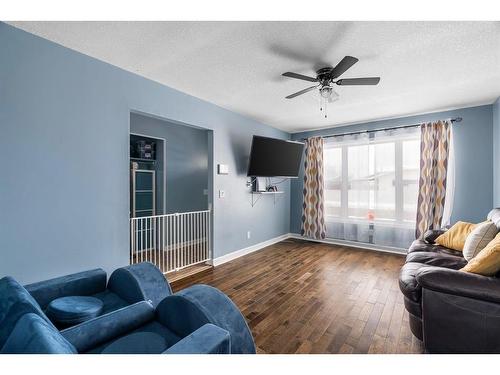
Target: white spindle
172,241
209,236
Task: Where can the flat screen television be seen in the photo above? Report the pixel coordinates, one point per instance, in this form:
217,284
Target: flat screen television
270,157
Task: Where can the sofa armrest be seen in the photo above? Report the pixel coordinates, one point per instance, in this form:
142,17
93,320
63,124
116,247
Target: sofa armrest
431,235
77,284
209,339
94,332
460,283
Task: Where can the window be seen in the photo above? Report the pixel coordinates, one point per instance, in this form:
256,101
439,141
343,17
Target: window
373,177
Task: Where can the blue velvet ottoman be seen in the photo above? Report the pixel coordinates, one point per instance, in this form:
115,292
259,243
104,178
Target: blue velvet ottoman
73,310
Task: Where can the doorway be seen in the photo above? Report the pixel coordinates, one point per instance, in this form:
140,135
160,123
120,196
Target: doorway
171,178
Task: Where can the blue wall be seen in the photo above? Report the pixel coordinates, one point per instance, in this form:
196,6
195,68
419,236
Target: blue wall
496,153
473,153
186,161
64,147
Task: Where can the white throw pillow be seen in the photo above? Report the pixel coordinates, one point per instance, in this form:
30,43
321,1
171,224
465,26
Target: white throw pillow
477,240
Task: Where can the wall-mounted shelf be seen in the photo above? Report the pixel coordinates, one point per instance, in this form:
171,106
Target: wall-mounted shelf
256,195
143,160
267,192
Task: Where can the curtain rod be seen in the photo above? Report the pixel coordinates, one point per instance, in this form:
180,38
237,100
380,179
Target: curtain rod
456,119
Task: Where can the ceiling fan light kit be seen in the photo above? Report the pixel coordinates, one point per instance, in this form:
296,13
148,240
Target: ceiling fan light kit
326,77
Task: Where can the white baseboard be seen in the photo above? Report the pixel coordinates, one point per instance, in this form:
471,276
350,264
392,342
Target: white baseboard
247,250
364,246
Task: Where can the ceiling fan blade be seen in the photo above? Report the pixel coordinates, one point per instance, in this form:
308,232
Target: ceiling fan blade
299,76
342,66
358,81
301,92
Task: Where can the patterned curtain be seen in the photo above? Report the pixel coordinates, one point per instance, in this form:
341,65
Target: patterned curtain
434,150
313,218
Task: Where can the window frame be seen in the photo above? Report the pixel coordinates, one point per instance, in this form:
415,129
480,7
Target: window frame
398,181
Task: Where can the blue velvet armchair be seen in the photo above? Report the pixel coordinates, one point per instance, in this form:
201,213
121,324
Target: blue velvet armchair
174,324
142,316
126,285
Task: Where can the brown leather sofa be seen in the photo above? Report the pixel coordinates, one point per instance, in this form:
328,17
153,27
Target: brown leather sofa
450,311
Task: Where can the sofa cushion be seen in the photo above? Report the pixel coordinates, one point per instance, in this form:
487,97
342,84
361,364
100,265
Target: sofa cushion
437,259
487,262
111,301
454,238
95,332
420,246
137,343
74,309
34,335
15,301
477,240
408,282
494,216
152,330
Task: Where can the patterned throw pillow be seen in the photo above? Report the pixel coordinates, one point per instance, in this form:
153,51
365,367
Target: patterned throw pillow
454,238
487,262
481,235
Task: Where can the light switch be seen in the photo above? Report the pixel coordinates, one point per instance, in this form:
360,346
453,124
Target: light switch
222,194
222,169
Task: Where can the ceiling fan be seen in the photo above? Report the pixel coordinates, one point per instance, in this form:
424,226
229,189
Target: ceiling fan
326,77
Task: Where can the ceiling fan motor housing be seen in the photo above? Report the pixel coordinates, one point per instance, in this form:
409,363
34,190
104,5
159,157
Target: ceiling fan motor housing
324,76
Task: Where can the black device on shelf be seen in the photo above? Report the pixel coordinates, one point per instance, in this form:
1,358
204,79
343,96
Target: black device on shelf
142,148
145,149
271,157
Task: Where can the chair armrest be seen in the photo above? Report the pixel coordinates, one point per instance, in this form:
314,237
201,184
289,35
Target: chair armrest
209,339
140,282
33,335
96,331
431,235
77,284
191,308
460,283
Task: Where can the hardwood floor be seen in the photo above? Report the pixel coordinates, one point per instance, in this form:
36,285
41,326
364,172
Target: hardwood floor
304,297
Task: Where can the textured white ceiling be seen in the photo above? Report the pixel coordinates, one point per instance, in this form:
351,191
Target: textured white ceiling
424,66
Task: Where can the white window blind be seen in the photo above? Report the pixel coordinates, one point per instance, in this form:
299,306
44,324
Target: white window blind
371,186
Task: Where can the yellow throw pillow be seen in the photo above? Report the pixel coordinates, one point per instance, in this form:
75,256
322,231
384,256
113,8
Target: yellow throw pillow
487,262
454,238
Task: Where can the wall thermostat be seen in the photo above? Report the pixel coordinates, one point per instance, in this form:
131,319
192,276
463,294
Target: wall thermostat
222,169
